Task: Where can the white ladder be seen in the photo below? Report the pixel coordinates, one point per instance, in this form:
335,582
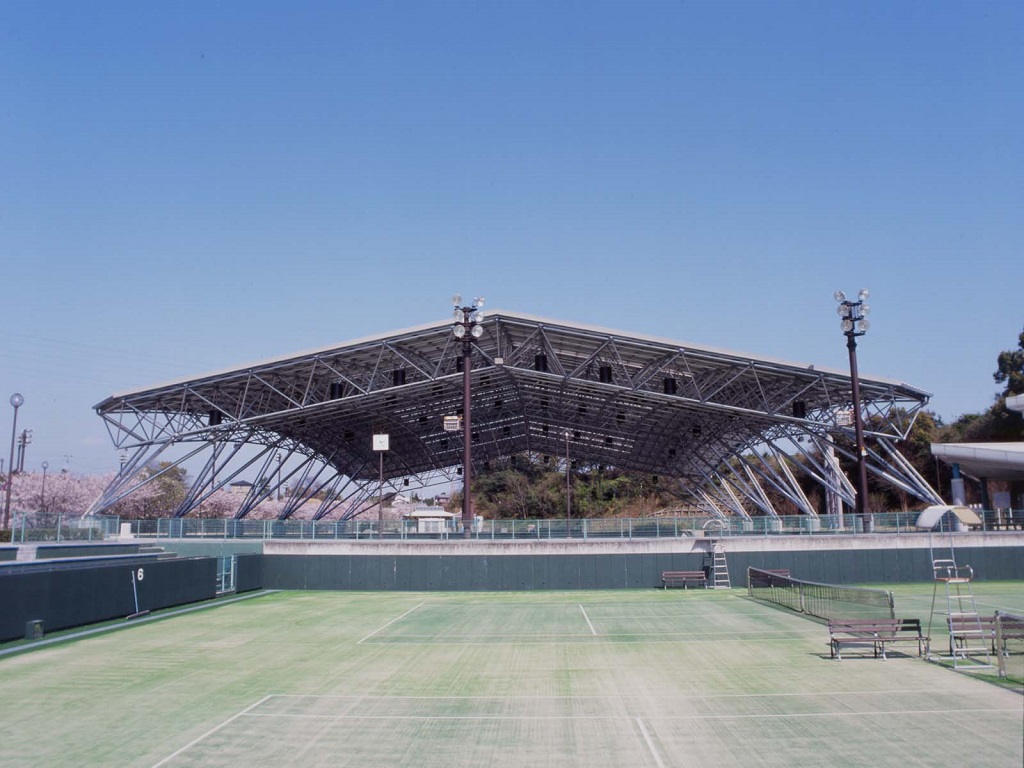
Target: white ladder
719,567
968,639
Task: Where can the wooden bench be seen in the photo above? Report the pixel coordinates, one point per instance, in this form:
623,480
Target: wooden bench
963,627
875,634
683,579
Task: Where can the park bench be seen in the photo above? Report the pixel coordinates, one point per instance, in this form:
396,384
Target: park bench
875,634
963,627
683,579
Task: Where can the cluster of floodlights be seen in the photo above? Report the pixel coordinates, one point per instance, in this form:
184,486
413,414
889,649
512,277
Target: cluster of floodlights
853,313
468,319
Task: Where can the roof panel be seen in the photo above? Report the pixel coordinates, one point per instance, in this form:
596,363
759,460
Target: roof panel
631,398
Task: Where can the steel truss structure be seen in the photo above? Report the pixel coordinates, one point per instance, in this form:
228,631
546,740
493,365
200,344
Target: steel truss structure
721,428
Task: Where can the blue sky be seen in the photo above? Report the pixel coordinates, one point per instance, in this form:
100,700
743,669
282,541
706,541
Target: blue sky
196,185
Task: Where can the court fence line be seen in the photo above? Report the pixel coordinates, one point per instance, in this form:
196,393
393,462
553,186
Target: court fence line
99,528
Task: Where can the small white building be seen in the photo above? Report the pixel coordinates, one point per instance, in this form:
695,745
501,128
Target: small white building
240,487
431,520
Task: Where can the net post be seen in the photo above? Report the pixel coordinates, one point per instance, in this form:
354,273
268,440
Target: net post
999,645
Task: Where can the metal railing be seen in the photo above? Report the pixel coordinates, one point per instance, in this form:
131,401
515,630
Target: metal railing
62,527
106,528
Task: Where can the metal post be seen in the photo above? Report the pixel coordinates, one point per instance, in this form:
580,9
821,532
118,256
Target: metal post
467,440
568,490
858,426
42,492
854,323
16,401
23,441
467,327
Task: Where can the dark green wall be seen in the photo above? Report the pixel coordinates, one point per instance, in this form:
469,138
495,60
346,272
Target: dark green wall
72,597
74,593
625,571
248,572
887,566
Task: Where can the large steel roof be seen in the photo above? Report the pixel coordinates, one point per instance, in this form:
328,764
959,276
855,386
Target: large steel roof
630,401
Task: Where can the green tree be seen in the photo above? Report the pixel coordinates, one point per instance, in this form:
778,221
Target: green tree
168,490
1011,369
998,423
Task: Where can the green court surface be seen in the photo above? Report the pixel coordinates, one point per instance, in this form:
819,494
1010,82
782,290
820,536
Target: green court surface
618,678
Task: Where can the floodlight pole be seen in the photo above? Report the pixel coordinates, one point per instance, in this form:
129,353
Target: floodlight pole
467,441
467,327
854,324
568,490
858,427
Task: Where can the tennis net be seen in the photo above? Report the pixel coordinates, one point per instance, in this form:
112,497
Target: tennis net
825,601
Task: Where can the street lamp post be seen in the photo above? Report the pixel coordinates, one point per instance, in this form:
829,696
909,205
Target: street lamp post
854,323
42,492
16,401
467,328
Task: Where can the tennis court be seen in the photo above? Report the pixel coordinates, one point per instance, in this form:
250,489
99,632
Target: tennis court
617,678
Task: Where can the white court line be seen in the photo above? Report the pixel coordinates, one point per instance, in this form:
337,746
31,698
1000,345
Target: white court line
381,629
593,631
638,616
569,718
620,640
650,744
212,731
783,634
689,695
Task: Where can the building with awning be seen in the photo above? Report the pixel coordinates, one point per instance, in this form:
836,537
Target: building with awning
987,461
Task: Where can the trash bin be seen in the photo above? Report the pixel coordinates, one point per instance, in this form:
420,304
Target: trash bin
34,629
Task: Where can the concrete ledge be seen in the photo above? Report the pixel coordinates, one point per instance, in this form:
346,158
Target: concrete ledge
682,545
455,547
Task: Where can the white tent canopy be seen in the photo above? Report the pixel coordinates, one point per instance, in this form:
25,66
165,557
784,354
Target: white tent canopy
931,516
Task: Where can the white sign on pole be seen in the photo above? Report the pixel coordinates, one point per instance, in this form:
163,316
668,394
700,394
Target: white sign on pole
380,442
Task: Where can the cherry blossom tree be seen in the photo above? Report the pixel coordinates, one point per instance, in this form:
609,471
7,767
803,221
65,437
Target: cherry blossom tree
43,500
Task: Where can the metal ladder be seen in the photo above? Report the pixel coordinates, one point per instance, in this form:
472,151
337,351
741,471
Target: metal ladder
719,566
968,642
